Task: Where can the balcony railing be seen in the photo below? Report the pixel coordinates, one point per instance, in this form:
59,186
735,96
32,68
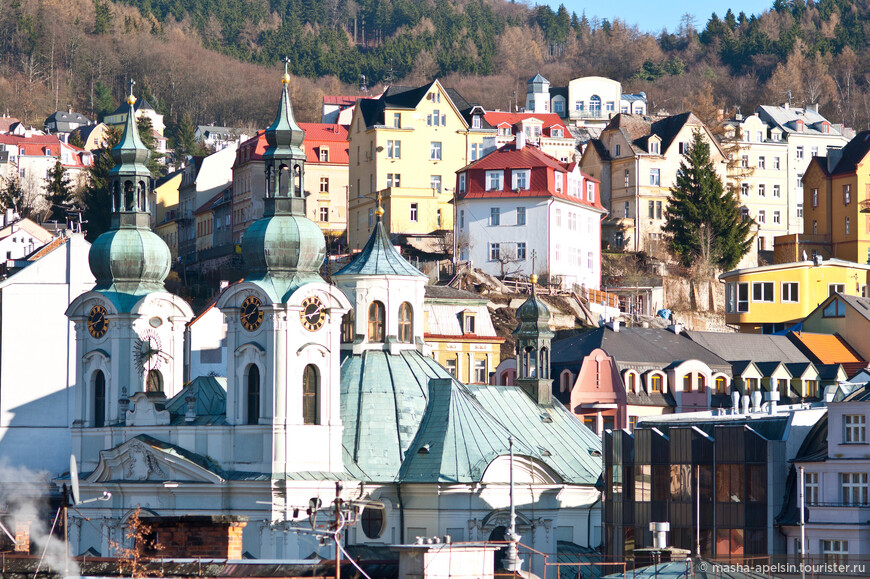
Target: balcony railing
864,206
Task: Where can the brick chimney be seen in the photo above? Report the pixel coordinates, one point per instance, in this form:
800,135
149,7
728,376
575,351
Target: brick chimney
22,536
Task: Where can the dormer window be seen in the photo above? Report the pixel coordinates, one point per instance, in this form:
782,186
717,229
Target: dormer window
799,126
520,179
324,154
590,191
468,322
556,132
655,147
655,383
475,122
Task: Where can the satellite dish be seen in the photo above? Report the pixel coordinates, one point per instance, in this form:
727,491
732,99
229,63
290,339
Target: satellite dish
74,479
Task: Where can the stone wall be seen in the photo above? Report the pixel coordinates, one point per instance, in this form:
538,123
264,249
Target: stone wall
198,537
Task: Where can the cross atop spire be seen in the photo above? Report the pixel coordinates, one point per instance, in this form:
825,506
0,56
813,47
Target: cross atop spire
131,100
286,78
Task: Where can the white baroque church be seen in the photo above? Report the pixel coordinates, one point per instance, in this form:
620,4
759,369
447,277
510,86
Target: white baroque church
324,384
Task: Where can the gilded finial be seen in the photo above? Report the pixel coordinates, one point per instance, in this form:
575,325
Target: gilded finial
380,210
286,78
533,278
131,100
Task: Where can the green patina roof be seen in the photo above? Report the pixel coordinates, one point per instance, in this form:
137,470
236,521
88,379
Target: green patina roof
130,154
383,399
211,401
389,411
379,257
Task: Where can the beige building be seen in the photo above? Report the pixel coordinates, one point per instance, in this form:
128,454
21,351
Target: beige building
407,146
757,174
636,160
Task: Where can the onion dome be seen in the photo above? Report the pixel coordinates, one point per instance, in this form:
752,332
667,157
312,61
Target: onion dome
534,317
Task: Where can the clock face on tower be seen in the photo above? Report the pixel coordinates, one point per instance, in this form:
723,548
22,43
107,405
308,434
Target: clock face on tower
313,314
97,323
251,315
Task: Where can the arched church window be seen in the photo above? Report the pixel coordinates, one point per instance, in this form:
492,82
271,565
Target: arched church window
99,399
297,180
376,322
347,329
406,327
253,394
530,362
116,197
129,195
310,394
141,197
269,192
154,381
283,180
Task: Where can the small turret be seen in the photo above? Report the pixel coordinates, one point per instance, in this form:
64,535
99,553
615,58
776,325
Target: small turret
533,347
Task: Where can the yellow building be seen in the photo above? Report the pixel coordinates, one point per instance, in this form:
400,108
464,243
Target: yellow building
836,206
408,145
458,328
773,297
168,232
164,203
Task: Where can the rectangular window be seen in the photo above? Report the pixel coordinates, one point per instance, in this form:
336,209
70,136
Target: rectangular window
776,163
744,161
742,298
435,183
847,194
790,292
521,250
394,149
559,181
494,216
815,197
799,152
800,210
557,253
494,251
761,190
854,429
371,217
324,184
762,216
435,151
521,215
590,191
462,183
451,366
652,209
761,162
520,179
616,150
324,154
800,181
759,136
811,488
655,177
415,212
590,262
397,120
462,219
846,224
493,180
626,210
609,106
762,291
626,178
557,217
835,552
655,147
814,151
394,180
324,214
480,371
658,209
777,217
683,147
476,151
853,486
744,189
776,191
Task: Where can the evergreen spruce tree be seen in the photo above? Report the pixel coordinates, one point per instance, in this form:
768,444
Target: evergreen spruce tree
60,194
96,198
11,193
146,133
703,222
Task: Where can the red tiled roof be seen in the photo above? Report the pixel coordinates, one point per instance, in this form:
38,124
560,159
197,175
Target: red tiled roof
7,122
497,118
541,183
34,145
342,100
316,136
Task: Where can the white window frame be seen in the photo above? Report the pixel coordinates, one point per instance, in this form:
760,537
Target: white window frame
742,305
854,488
790,292
520,179
462,182
834,551
415,212
764,286
854,429
494,251
521,215
655,177
777,191
494,216
590,191
811,488
521,250
494,180
777,217
761,162
435,151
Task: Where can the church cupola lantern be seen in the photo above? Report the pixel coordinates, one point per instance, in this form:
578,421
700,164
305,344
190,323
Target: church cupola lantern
533,347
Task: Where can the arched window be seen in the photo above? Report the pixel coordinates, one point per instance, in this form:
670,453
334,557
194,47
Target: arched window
347,327
99,399
655,383
253,394
631,381
283,181
406,326
702,383
721,385
372,522
376,322
595,105
565,385
154,382
687,383
310,394
129,196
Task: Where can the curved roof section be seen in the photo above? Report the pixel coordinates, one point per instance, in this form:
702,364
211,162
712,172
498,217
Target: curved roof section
379,257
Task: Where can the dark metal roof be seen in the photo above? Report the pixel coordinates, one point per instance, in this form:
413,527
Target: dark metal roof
755,347
379,257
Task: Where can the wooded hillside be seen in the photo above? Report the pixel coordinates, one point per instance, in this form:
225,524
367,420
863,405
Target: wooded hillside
217,60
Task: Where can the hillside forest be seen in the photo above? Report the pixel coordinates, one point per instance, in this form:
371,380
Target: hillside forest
217,61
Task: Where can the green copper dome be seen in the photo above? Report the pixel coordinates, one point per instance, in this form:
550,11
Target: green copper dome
284,135
534,318
284,244
130,259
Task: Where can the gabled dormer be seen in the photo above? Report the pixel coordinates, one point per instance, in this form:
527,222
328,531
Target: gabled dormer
654,145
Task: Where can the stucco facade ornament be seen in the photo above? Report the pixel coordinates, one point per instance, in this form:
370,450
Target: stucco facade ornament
141,465
145,412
